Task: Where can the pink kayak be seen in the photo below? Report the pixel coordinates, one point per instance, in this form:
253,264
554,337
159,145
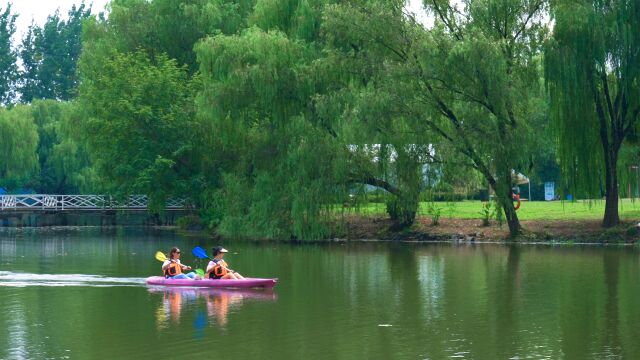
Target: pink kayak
221,283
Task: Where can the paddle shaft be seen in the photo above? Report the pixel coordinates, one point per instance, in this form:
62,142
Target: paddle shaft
201,253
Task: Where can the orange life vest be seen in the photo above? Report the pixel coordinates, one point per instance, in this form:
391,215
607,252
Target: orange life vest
173,269
219,270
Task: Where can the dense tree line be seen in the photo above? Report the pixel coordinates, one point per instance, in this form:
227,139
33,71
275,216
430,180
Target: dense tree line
41,71
47,55
268,115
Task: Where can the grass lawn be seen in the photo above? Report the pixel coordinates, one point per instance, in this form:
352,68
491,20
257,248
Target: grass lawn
529,210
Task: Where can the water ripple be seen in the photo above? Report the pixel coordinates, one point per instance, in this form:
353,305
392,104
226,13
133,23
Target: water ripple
17,279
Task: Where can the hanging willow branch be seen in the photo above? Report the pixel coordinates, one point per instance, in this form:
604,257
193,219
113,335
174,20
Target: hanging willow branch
593,78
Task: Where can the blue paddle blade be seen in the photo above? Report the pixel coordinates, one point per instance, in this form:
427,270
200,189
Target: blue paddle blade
199,252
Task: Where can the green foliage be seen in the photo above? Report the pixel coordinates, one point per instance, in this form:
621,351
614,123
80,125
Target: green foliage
593,78
50,55
488,212
473,83
167,26
41,150
64,163
434,212
500,218
268,113
299,19
190,222
8,56
139,125
281,175
632,231
402,210
18,146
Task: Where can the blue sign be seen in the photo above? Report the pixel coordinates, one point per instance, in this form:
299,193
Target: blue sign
549,191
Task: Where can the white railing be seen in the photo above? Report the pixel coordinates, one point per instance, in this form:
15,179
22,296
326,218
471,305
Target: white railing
80,202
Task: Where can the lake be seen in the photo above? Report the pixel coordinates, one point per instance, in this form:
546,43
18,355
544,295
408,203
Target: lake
80,294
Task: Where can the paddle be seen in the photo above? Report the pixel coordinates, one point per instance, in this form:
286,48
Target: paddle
202,254
160,256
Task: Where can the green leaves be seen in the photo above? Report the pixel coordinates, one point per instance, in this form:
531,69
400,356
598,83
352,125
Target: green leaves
18,146
139,123
8,56
256,96
169,27
63,160
593,73
50,54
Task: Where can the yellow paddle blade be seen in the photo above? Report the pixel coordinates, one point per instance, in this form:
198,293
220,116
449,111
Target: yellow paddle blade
160,256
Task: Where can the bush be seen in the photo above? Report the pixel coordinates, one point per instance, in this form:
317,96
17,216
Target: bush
190,222
441,196
435,212
488,211
402,211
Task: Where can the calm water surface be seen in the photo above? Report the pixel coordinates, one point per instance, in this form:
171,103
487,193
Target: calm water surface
80,294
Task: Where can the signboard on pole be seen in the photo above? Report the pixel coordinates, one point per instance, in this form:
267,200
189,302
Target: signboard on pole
549,191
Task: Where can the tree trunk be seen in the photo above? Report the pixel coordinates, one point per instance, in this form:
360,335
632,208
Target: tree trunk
611,216
505,200
511,215
504,192
610,148
504,197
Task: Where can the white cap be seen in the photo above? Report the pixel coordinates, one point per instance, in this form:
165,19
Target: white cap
223,250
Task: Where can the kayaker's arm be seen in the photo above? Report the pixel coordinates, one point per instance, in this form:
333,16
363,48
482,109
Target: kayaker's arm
210,267
165,265
229,270
168,262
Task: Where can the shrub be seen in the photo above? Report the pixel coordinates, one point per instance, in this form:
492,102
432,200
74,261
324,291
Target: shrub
488,211
435,212
190,222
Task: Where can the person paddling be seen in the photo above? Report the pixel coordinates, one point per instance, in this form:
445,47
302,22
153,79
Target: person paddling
173,269
218,268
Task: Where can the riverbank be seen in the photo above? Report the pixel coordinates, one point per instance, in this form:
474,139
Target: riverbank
471,230
369,227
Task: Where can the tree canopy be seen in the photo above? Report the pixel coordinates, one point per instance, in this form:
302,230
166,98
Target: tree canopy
18,145
49,57
593,77
8,56
282,113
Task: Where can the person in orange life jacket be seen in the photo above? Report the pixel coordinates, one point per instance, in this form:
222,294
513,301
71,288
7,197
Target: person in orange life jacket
172,268
218,268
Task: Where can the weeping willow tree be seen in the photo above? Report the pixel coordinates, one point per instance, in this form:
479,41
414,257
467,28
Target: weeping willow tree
294,149
18,145
360,105
283,177
593,78
465,85
138,128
